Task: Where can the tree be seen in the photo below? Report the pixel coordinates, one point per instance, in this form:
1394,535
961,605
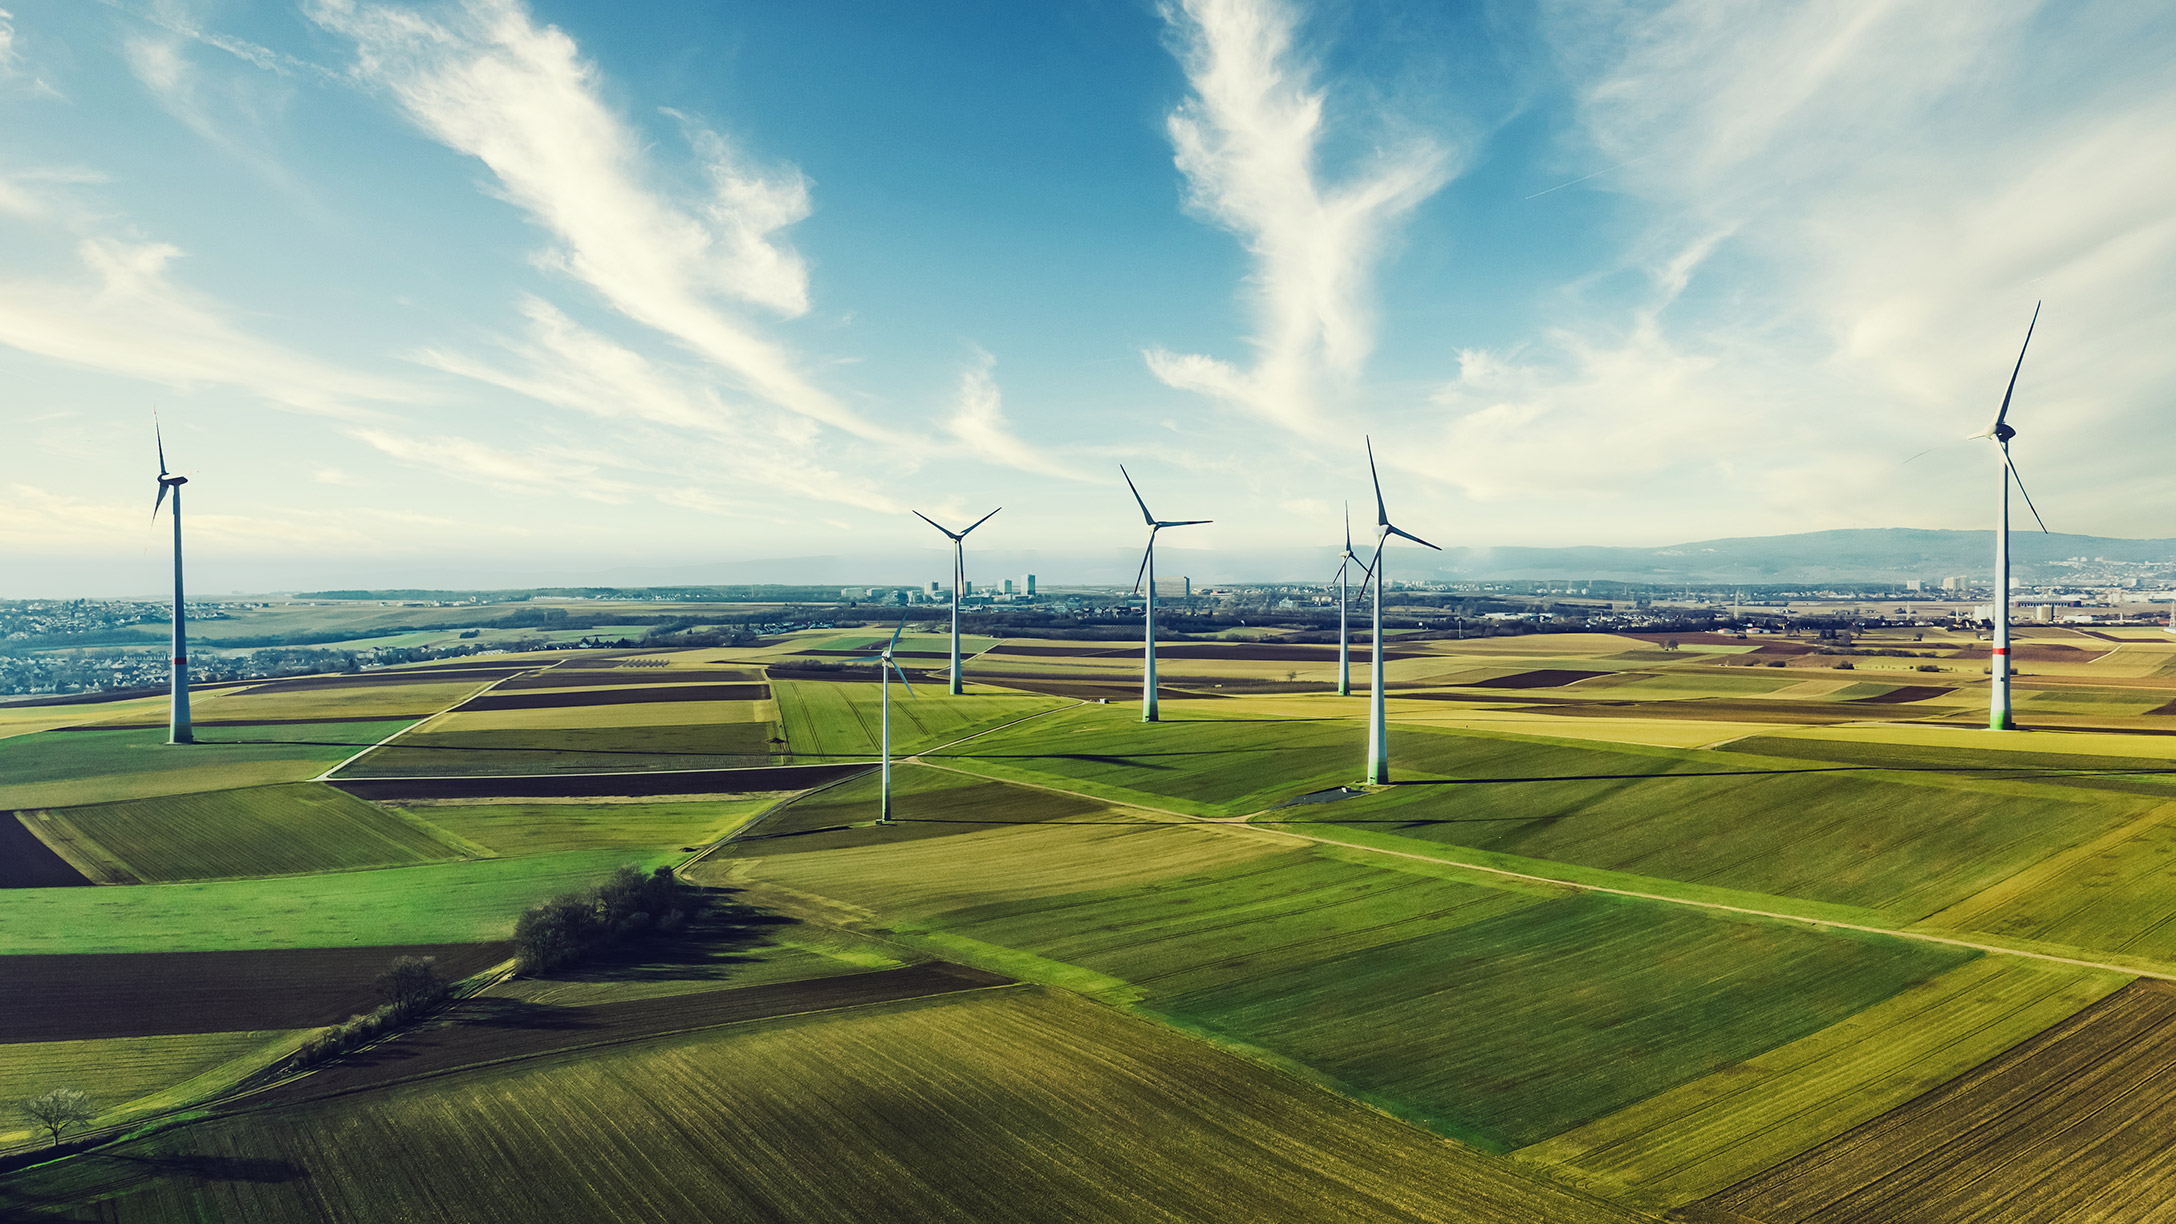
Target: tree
412,982
58,1110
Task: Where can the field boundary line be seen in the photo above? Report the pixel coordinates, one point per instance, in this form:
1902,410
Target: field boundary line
327,775
1000,727
1059,790
765,814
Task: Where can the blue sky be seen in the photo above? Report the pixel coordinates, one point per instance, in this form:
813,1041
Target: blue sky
555,291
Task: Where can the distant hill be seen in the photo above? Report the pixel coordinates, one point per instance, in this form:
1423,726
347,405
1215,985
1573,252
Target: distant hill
1860,555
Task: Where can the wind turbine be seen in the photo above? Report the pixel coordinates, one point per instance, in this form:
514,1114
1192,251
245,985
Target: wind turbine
959,574
1344,605
1998,693
883,659
178,731
1378,726
1148,615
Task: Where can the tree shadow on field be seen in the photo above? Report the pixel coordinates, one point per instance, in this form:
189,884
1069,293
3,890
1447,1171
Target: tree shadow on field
205,1167
724,934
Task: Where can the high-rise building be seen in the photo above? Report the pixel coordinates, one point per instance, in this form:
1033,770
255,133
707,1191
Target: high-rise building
1031,584
1186,587
935,589
1008,586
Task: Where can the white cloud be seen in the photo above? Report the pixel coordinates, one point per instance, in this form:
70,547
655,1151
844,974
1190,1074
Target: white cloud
537,470
9,56
979,424
127,316
1249,142
483,79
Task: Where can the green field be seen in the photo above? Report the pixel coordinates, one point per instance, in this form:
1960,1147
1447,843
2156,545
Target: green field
119,1071
1205,762
1476,1007
1904,845
545,828
926,802
439,903
1713,1132
1008,1105
380,699
65,768
264,830
600,748
824,720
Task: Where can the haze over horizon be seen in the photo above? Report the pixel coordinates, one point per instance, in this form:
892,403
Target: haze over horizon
494,287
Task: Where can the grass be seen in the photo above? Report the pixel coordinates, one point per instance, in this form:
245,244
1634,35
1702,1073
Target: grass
1012,1105
438,903
599,748
120,1072
264,830
1901,845
633,714
1203,764
1713,1132
546,828
826,720
2110,895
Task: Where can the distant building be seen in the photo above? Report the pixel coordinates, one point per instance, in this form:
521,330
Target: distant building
1007,587
1914,585
935,589
1031,584
1186,587
1951,584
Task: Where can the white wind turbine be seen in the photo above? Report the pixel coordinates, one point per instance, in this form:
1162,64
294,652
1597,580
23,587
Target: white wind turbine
1148,614
959,574
178,728
883,659
1998,693
1344,606
1378,726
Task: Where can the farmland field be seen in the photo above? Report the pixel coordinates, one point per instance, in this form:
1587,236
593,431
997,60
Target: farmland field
2071,1125
543,828
117,1071
1904,845
436,903
65,768
1012,1105
926,802
598,747
206,992
26,862
264,830
823,720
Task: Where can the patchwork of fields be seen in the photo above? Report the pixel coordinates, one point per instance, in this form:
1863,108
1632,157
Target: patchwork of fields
1638,930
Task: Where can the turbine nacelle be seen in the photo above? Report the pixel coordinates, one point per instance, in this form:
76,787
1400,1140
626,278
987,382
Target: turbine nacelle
1154,525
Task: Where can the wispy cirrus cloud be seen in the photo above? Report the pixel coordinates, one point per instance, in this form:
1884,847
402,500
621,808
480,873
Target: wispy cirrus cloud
1249,142
979,424
483,78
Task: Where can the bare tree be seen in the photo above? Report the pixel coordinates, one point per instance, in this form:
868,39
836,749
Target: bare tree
58,1110
412,982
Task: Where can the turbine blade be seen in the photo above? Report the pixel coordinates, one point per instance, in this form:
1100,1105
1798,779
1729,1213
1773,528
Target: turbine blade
1185,523
1410,536
1382,516
979,522
1146,517
1348,529
161,500
902,677
1143,571
939,526
895,636
2021,488
160,439
2005,409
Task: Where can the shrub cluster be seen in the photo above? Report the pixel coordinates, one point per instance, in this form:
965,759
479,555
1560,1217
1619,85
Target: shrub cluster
411,986
572,926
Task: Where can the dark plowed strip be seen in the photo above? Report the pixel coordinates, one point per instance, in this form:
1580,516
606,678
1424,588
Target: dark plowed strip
1064,652
655,782
1548,677
118,694
2070,1125
1266,652
2170,708
624,677
489,1029
1910,692
503,700
946,655
145,994
350,680
26,862
320,720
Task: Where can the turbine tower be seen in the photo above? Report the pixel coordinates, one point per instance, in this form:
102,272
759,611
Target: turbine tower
959,574
1998,691
1344,605
883,659
1378,726
178,716
1148,612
